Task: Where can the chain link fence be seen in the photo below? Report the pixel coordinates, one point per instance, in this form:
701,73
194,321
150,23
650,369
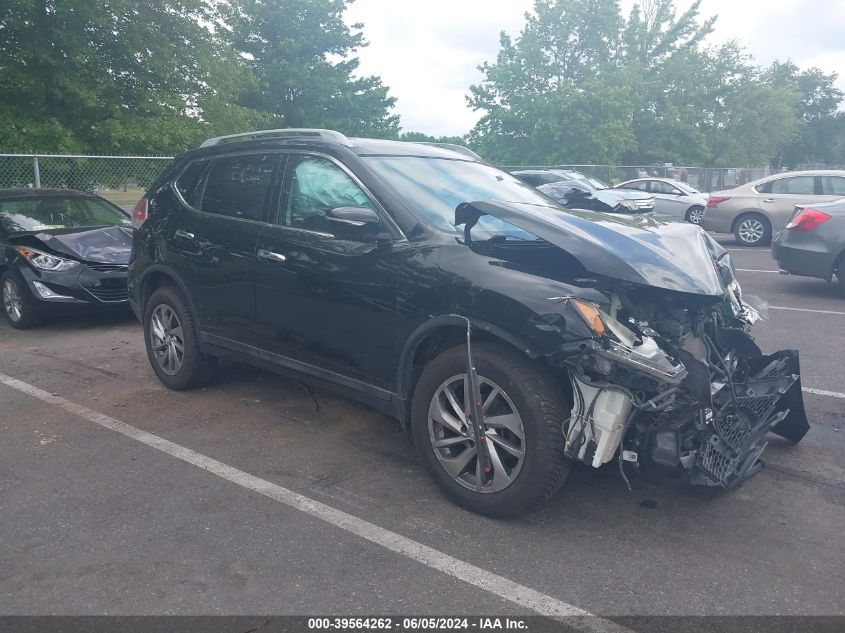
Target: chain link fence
121,179
702,178
124,179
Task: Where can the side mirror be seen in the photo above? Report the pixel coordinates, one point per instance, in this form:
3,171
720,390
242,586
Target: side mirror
354,222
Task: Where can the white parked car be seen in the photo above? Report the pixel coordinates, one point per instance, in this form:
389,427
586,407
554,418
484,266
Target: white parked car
672,197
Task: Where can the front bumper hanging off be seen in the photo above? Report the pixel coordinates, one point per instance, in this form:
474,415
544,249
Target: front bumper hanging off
734,432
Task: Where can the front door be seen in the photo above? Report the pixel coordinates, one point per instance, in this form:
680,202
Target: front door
325,296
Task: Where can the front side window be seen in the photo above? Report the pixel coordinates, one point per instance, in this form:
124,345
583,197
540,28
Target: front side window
314,186
833,186
237,186
55,212
658,186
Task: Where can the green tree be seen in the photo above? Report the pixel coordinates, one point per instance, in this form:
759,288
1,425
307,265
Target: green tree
300,55
554,93
583,85
104,75
817,138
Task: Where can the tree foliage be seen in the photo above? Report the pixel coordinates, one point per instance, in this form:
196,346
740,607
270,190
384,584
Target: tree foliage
583,84
129,76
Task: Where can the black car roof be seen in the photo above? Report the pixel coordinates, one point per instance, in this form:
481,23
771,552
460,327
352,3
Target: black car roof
359,146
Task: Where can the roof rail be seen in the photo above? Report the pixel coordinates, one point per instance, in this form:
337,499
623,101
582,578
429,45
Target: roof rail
291,132
460,149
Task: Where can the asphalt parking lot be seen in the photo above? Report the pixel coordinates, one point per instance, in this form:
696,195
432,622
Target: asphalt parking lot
99,518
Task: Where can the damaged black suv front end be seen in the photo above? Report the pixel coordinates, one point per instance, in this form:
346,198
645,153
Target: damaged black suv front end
668,372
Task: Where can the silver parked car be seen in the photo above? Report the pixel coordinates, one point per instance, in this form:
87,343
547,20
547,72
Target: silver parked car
755,211
671,197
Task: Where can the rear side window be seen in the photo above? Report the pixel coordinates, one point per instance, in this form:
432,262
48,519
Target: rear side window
642,185
237,186
189,184
833,186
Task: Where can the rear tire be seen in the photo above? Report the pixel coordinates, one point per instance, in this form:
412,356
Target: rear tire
172,342
753,229
540,407
18,302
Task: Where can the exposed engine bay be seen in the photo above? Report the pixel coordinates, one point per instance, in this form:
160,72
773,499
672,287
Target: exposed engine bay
680,385
657,343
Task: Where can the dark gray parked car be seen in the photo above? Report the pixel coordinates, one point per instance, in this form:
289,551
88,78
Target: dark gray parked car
813,242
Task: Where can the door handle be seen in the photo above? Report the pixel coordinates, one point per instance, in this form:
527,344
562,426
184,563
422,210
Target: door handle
769,200
185,235
271,256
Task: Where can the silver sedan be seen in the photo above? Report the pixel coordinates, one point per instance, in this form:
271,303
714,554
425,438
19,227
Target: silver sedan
755,211
672,197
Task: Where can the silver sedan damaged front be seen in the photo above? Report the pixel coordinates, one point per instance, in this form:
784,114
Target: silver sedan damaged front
670,373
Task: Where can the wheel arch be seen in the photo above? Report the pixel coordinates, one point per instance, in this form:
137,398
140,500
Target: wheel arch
436,335
157,276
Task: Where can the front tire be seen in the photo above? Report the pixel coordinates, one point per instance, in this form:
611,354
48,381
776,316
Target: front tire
695,215
17,301
753,229
172,342
524,407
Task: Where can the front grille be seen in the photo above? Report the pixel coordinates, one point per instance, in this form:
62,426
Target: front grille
110,295
644,204
108,268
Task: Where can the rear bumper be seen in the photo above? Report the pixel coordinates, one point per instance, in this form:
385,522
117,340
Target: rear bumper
717,221
802,254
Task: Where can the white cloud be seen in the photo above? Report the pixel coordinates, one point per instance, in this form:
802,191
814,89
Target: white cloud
427,51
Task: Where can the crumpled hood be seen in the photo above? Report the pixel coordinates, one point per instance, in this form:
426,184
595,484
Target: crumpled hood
110,245
636,248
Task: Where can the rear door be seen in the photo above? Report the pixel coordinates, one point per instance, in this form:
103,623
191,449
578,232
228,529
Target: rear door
326,297
778,197
211,244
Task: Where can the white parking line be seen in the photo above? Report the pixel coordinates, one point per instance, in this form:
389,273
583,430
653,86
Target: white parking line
754,270
488,581
823,392
807,310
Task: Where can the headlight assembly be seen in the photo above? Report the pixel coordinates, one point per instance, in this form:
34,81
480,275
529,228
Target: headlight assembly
629,204
616,343
43,261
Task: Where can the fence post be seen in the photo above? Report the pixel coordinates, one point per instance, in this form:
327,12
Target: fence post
37,171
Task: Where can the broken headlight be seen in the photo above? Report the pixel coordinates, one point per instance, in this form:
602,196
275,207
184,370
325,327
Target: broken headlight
616,343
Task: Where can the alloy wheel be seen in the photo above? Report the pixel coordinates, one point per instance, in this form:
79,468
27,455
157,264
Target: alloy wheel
453,438
167,339
12,302
696,215
751,230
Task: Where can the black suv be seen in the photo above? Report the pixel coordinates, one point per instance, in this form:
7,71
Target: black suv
509,335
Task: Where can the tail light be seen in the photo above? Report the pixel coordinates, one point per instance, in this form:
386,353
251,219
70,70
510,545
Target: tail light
807,220
139,213
715,201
